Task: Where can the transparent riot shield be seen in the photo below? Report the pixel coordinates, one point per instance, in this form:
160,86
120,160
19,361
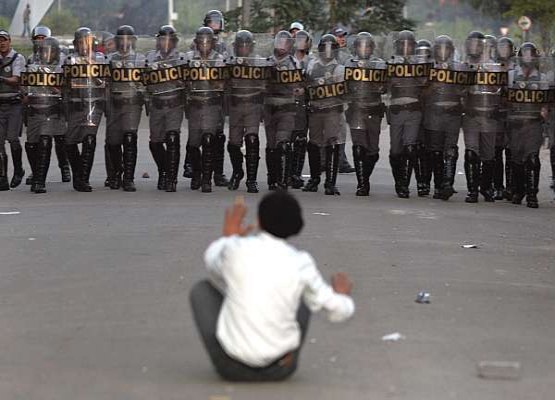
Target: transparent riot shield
206,84
531,89
407,72
44,113
86,74
326,86
249,67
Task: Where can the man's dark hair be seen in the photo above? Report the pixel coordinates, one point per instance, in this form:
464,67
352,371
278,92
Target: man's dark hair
279,214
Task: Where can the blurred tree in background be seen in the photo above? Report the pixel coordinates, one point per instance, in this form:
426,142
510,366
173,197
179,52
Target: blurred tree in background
61,23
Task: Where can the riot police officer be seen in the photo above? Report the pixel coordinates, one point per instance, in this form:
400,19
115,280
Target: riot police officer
12,65
279,110
124,108
527,108
405,110
303,44
246,98
366,78
505,54
326,89
481,120
206,100
84,102
165,105
214,19
44,109
443,116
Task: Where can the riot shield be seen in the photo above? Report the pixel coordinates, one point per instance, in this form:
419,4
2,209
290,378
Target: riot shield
85,79
531,89
326,86
44,112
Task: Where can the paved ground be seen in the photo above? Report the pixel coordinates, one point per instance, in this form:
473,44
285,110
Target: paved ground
93,294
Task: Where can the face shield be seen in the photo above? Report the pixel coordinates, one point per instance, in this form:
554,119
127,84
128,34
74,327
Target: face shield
327,51
282,46
216,23
474,47
364,49
124,43
443,52
165,43
204,44
85,45
302,43
529,57
242,48
48,54
405,47
504,50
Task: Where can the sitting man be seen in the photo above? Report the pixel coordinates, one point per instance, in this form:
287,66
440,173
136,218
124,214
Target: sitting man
254,324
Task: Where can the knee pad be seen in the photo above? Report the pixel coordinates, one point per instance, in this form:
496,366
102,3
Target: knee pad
207,139
471,156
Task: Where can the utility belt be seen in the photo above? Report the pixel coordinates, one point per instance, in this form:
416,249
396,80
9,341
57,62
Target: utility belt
55,109
397,108
378,110
167,103
449,110
206,101
334,109
489,114
10,100
126,101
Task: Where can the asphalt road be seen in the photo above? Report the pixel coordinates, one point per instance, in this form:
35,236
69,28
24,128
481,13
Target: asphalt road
94,293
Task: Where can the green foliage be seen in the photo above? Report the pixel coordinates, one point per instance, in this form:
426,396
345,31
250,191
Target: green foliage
4,23
382,17
63,22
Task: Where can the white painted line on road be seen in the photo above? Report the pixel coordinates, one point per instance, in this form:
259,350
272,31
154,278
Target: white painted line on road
320,213
10,212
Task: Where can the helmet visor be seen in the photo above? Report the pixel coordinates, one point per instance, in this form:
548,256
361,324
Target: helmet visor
443,52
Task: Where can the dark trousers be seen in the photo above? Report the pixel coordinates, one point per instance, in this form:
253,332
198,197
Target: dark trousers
206,302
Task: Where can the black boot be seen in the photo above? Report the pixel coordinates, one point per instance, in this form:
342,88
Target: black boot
109,166
297,162
159,154
63,162
187,167
18,171
508,192
532,170
173,152
498,171
455,160
252,157
4,185
486,181
422,170
332,167
207,162
314,162
196,167
472,171
116,161
283,167
360,157
437,167
552,160
218,160
271,167
400,169
72,151
43,163
87,158
519,185
32,151
449,171
129,161
236,157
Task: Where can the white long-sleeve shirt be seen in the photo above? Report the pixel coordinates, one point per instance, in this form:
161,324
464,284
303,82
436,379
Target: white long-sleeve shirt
263,279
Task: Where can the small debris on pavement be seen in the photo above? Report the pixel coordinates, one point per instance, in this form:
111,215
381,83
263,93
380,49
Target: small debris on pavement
469,246
10,212
146,175
320,213
393,337
499,370
423,298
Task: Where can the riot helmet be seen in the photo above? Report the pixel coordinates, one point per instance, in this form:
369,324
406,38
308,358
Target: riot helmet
364,45
328,47
424,49
405,44
49,51
443,49
39,33
83,41
528,55
166,39
205,40
490,49
474,44
505,48
303,41
214,19
244,43
125,38
283,44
